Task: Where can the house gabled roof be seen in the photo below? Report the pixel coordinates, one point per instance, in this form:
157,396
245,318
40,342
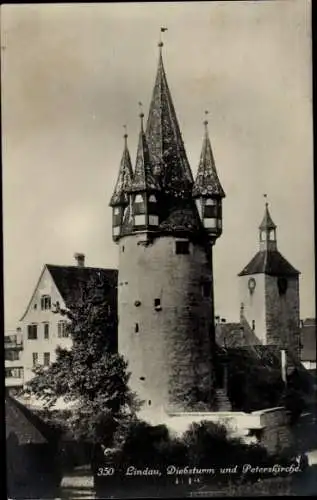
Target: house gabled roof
25,425
70,281
269,262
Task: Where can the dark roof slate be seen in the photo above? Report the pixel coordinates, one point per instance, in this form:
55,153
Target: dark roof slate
71,280
25,425
235,335
166,146
207,182
269,262
119,196
143,178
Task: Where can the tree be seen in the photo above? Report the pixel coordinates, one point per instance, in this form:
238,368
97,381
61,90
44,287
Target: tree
91,374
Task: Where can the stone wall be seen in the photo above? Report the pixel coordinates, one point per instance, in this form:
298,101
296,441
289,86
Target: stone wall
276,434
268,427
168,347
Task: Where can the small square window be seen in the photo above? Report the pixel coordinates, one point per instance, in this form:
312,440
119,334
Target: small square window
182,247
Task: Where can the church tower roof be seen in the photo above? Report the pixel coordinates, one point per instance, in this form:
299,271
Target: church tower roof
120,196
143,178
268,260
207,182
164,138
267,222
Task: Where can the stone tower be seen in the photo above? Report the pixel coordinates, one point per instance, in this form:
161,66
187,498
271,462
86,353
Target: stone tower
269,291
165,226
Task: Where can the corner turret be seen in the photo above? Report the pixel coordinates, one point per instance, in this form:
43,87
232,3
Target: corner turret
120,198
207,191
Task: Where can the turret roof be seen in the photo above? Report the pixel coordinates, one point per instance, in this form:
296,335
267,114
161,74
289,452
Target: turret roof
207,182
119,196
267,222
164,138
143,178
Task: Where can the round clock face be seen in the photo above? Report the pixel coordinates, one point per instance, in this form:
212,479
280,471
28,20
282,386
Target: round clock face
282,285
251,284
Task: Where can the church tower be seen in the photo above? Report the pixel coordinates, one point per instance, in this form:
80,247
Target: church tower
269,291
165,226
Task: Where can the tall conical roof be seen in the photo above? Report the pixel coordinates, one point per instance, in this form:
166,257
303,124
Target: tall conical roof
267,222
143,178
164,138
207,182
119,196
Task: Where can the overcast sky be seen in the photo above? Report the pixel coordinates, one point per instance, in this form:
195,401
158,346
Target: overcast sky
73,74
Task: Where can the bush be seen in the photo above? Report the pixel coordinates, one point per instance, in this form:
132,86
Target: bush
143,444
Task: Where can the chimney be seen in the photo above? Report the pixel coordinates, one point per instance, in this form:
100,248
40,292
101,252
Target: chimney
80,259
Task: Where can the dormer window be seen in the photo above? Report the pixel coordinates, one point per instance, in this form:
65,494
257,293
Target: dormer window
152,198
45,302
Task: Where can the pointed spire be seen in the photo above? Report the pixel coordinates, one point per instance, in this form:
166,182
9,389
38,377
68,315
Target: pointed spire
164,138
267,222
143,179
207,182
120,196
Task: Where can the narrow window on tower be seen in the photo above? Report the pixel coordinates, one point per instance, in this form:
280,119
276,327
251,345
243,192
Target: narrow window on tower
157,304
136,327
182,247
206,289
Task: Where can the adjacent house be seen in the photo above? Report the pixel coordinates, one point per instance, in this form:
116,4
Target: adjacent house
13,348
42,328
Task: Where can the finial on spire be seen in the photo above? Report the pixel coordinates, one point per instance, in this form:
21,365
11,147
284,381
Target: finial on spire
141,115
125,132
266,202
206,121
162,30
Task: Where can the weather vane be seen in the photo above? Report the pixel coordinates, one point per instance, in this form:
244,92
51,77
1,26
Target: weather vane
125,131
162,30
141,109
265,197
206,115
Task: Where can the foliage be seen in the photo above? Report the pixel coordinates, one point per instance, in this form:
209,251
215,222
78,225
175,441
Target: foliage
141,443
91,375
